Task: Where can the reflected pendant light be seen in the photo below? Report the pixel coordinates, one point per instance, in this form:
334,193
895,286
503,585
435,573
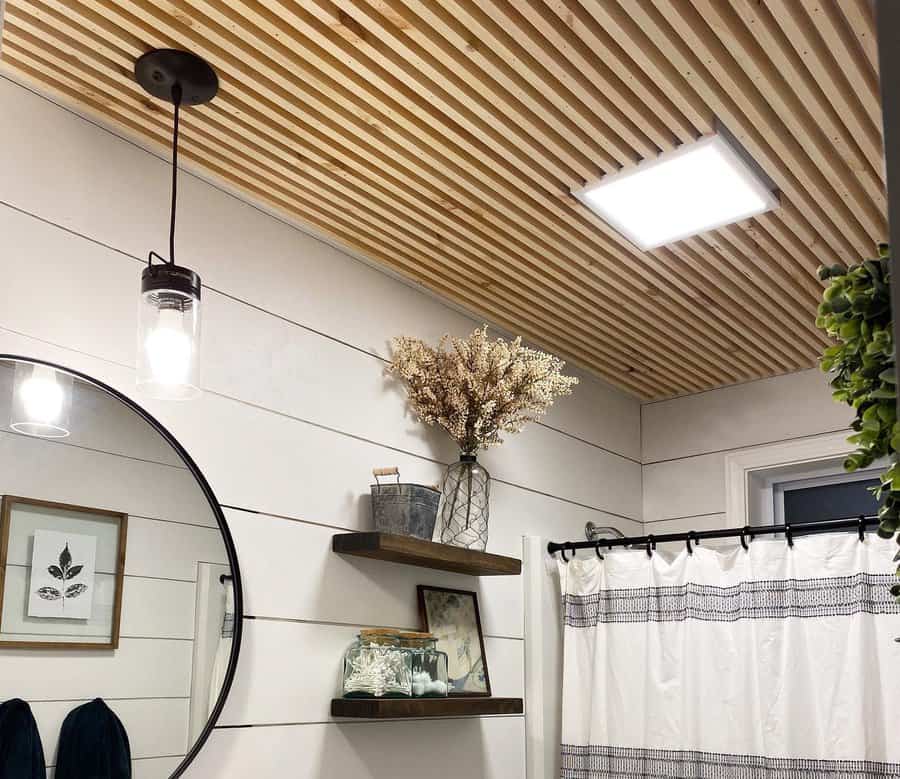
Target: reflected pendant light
169,320
41,401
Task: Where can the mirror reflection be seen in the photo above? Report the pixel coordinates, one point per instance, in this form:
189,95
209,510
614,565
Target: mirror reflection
116,594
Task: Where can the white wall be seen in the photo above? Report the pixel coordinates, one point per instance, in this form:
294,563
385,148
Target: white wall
685,442
295,414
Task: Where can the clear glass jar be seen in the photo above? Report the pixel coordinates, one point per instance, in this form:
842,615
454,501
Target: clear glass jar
465,504
429,665
376,666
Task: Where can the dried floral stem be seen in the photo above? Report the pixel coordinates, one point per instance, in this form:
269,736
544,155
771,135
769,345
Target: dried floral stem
476,388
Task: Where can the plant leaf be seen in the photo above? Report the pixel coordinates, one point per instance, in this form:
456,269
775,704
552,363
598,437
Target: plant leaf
54,571
73,571
74,590
48,593
65,558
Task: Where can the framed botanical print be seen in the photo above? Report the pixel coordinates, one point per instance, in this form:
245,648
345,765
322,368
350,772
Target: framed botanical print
62,569
453,617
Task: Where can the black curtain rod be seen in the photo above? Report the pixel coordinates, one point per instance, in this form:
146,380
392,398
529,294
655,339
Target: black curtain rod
748,532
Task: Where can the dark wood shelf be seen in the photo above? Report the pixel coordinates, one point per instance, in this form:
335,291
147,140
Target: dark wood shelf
427,554
400,708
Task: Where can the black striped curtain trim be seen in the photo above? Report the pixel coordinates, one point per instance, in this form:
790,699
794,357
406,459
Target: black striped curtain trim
603,762
776,599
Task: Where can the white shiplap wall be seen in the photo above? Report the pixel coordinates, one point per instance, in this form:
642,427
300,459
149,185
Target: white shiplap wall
295,414
685,442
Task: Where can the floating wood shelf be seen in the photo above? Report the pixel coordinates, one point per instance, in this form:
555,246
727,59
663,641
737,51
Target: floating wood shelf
427,554
399,708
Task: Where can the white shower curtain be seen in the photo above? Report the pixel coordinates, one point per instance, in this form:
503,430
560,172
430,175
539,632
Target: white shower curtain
774,663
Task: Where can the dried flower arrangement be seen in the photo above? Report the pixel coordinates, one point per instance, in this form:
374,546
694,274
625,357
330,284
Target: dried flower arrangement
475,388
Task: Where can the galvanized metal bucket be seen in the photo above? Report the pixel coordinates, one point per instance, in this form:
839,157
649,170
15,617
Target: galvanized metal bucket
404,509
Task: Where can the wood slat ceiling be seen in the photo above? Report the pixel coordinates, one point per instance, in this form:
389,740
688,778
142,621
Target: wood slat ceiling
443,139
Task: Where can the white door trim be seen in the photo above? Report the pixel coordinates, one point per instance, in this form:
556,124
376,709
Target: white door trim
741,464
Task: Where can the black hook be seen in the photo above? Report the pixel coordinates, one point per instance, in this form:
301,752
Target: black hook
789,535
597,550
691,535
745,532
651,545
862,527
562,553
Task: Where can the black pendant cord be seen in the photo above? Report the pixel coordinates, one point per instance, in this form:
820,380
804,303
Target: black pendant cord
857,523
176,99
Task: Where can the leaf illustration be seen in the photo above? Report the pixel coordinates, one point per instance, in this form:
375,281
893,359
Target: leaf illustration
65,558
73,571
54,571
48,593
75,590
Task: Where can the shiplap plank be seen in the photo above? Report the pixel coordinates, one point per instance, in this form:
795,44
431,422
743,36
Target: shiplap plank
95,479
775,409
139,668
155,727
477,748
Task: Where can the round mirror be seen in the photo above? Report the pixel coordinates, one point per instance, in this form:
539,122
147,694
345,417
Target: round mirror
120,596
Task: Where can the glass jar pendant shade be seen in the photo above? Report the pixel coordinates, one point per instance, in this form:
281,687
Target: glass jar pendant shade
169,333
41,401
168,342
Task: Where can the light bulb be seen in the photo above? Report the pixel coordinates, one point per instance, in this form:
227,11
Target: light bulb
41,402
42,399
168,350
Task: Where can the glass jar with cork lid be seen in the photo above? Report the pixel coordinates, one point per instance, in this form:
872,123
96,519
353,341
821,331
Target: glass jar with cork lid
377,666
428,664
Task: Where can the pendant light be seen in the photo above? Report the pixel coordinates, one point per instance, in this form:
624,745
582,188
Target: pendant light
169,322
41,401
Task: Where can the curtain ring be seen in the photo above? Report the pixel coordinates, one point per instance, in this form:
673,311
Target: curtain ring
745,532
651,545
789,535
562,553
862,527
597,550
688,542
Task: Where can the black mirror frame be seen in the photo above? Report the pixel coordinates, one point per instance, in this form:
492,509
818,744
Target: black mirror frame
223,528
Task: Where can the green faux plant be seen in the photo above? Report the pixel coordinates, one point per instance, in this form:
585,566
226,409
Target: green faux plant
856,312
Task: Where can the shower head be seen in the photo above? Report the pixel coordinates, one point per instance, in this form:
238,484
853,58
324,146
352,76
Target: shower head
596,532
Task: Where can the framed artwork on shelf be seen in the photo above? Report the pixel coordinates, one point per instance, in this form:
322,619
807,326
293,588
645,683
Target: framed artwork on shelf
453,617
62,570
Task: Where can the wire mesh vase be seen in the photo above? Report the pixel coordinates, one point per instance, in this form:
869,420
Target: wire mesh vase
466,491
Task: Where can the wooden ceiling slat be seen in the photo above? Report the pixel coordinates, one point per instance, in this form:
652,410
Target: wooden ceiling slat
829,75
591,56
440,61
466,27
499,29
443,141
589,22
861,21
842,47
794,114
865,160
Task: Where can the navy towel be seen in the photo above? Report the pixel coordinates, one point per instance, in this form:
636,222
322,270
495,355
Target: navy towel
21,752
93,744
